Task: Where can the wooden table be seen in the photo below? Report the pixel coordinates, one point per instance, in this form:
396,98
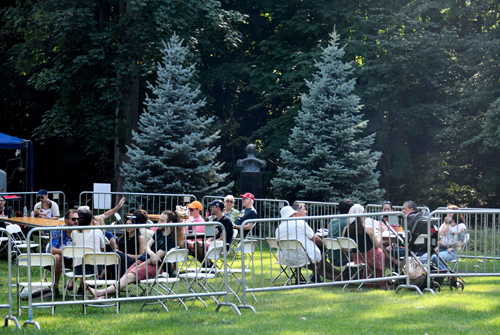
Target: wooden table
33,222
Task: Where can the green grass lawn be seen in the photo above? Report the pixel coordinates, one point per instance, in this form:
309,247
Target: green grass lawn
476,310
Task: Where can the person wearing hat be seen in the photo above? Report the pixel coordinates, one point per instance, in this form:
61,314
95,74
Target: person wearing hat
247,213
42,196
195,210
311,256
217,210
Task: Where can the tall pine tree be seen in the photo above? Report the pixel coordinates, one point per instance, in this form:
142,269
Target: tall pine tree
173,151
329,157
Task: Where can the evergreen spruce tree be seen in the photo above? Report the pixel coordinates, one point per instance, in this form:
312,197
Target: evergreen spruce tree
173,150
329,157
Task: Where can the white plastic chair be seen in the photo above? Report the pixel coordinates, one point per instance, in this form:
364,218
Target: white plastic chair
201,277
74,252
106,259
294,244
19,243
39,261
355,269
162,280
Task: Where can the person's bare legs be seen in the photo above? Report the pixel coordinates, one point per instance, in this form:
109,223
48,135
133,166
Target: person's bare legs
124,281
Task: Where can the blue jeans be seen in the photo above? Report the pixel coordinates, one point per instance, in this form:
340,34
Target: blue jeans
444,254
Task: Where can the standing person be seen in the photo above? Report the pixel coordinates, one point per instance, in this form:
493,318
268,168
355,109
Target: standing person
41,196
369,243
60,239
229,209
46,213
335,229
247,213
156,249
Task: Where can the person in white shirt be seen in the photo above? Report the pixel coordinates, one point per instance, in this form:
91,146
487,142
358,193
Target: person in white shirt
54,208
311,256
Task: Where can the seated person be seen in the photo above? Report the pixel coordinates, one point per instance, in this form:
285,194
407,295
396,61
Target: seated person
369,243
130,246
335,229
156,249
311,257
247,213
451,238
93,238
46,213
412,213
195,210
141,217
217,209
229,211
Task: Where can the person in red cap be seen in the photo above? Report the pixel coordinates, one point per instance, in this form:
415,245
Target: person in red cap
247,213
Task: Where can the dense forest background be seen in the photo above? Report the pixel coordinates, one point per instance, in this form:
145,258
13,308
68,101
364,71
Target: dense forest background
74,77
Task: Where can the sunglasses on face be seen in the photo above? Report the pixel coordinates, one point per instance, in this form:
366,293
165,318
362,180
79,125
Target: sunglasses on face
192,209
230,201
74,219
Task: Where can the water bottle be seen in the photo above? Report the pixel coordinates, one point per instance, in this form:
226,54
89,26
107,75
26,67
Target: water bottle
32,214
25,213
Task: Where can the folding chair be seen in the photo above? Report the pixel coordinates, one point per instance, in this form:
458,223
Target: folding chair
333,244
202,275
162,280
293,244
348,244
105,259
273,249
19,243
39,261
74,252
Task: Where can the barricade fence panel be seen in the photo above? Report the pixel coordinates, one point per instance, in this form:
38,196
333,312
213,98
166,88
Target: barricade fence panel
152,203
468,248
17,200
293,253
166,270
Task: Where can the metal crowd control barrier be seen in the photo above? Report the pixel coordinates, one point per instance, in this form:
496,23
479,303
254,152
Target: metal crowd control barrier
372,208
479,253
29,200
266,267
5,234
266,208
155,294
153,203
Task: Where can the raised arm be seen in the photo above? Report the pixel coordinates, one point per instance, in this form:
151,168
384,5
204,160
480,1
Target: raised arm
113,210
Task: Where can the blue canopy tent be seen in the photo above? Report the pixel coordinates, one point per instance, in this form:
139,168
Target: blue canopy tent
11,142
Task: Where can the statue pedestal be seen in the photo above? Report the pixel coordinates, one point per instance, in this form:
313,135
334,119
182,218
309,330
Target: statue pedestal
251,182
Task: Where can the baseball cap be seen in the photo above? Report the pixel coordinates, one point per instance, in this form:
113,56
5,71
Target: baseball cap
218,203
196,205
41,193
247,195
287,211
